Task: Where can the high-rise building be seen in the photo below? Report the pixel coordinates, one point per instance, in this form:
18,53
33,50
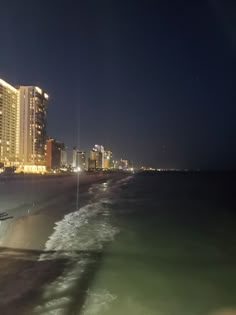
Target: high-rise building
33,103
125,164
96,157
82,160
108,162
53,156
91,164
94,160
100,149
79,159
64,161
75,158
9,123
23,126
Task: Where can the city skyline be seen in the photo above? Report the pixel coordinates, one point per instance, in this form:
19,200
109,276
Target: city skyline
117,157
134,79
25,144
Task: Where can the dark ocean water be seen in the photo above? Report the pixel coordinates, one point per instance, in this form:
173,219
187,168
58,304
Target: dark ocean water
158,245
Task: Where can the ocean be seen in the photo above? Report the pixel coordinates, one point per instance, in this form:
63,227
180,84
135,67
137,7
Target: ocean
147,244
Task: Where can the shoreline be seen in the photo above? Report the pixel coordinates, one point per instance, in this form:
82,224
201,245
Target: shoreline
43,208
23,238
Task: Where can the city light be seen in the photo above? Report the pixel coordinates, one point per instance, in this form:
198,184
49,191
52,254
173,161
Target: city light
7,85
77,169
38,90
31,153
36,169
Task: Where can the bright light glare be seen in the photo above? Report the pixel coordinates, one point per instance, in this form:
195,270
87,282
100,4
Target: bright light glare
38,90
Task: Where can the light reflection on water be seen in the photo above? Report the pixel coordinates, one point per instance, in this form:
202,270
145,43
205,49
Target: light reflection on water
131,251
172,256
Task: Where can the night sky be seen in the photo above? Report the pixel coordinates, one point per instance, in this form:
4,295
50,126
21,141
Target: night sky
152,80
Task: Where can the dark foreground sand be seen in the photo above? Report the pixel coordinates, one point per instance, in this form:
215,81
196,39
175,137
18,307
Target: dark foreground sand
22,238
21,279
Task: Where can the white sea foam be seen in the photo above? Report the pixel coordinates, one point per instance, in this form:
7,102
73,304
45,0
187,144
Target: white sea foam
125,180
77,237
80,231
97,302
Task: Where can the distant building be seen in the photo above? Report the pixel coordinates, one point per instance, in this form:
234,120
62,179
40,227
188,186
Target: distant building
99,147
75,160
124,164
100,156
79,159
64,160
108,162
9,123
96,157
92,164
54,154
33,103
82,160
94,160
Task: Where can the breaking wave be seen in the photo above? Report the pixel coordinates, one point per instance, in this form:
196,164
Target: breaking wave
97,302
79,238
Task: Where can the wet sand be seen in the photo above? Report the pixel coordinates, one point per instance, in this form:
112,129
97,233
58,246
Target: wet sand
33,219
22,238
21,278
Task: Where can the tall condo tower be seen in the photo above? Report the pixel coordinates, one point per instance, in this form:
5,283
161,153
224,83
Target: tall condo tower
9,123
33,102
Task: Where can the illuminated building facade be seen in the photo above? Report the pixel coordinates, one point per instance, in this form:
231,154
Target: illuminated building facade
64,161
82,160
33,103
23,126
75,161
108,163
9,124
96,157
79,159
125,164
100,156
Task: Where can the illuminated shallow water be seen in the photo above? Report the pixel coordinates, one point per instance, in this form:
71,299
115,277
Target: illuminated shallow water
162,244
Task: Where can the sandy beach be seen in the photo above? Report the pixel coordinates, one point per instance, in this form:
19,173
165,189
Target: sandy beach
35,204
